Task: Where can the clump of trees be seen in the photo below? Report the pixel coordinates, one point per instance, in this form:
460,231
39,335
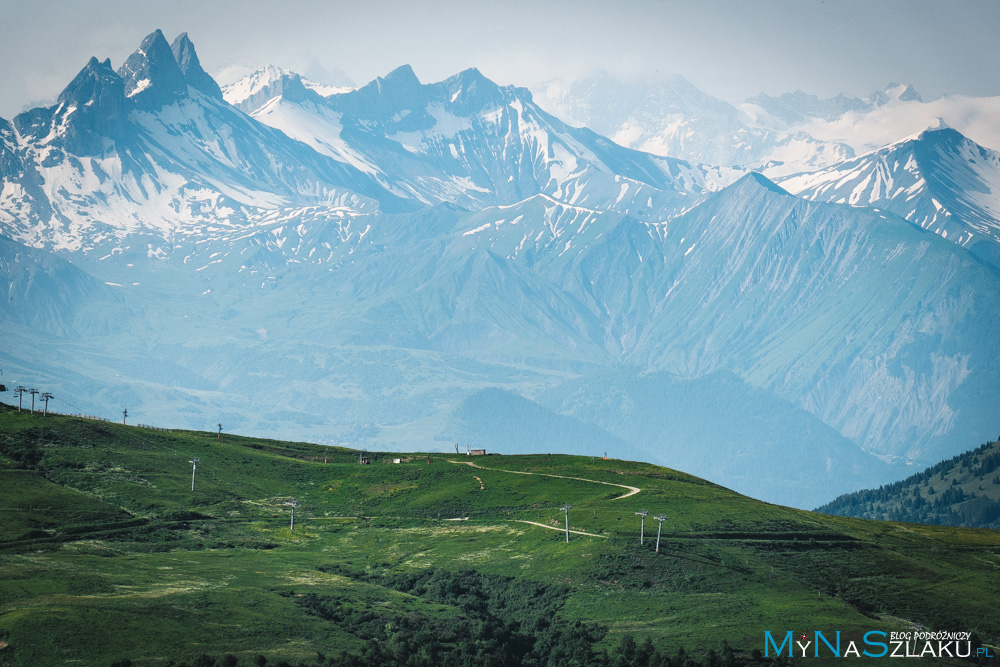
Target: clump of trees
501,621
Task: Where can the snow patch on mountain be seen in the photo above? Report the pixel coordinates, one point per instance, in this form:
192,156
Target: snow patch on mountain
315,125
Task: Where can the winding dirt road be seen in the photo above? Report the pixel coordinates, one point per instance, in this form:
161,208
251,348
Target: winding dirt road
632,490
561,530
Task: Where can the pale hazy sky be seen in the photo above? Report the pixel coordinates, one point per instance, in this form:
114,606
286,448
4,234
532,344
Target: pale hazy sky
731,49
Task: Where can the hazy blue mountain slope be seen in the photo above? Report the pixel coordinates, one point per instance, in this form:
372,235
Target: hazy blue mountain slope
858,317
47,294
736,434
803,299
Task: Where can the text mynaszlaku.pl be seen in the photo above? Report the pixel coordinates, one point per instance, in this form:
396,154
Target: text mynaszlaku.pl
875,644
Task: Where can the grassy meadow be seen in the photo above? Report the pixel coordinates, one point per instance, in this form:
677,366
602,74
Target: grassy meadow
107,557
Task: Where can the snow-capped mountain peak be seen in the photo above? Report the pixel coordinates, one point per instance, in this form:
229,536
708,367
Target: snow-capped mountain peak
471,90
151,74
937,179
894,92
89,111
152,151
256,90
248,89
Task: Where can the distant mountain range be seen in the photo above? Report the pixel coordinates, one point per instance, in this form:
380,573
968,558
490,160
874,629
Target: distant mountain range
399,265
882,118
671,117
777,136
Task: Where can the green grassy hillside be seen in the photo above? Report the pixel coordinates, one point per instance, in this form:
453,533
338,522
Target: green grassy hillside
962,491
108,557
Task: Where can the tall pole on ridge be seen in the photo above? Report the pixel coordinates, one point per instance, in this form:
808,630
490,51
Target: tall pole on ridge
46,396
32,391
661,518
642,529
566,508
194,467
20,392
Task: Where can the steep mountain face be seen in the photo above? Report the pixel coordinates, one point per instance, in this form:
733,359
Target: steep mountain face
152,74
96,101
673,118
46,294
190,66
808,301
10,162
938,180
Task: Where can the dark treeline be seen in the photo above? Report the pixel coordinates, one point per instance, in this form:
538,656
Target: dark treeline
936,495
